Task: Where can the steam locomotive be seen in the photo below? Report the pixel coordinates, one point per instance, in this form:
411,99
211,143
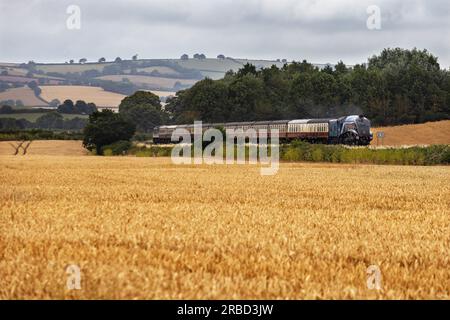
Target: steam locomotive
348,130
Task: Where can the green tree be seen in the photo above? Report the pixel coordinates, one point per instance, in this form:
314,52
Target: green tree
50,120
6,109
143,109
104,128
207,100
395,87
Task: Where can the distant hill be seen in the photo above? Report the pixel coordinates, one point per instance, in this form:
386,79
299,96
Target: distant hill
123,78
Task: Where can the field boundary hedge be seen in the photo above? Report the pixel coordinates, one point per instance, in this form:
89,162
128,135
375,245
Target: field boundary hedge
304,152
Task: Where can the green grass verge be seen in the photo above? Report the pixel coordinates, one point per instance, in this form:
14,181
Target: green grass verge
305,152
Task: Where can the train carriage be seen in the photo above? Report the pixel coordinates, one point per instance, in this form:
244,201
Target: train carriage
350,130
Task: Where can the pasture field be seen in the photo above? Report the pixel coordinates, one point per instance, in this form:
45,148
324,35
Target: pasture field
146,228
156,82
414,134
32,117
76,67
96,95
209,64
160,69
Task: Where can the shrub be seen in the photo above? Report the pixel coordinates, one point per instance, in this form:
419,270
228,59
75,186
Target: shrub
302,151
117,148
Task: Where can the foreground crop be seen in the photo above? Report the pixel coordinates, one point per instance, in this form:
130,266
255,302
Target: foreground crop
145,228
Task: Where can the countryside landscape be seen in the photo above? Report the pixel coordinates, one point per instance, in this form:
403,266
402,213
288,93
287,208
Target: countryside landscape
96,206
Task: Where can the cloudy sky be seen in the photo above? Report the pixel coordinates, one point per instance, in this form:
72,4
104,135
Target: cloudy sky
320,31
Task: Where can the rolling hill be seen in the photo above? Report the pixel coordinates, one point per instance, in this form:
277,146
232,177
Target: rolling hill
107,83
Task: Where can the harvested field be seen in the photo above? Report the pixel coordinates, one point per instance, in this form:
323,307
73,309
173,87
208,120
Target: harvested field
145,228
89,94
46,148
414,134
23,93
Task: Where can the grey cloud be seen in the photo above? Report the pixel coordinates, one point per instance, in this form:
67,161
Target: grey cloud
318,30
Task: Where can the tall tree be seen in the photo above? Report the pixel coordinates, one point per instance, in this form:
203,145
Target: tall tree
104,128
143,109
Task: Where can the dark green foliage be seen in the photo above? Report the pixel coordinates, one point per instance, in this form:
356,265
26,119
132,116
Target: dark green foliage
143,109
396,87
117,148
104,128
207,99
6,109
34,86
51,120
142,137
37,134
302,151
80,107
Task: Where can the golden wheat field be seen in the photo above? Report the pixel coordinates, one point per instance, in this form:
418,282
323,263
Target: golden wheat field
146,228
25,94
44,148
414,134
96,95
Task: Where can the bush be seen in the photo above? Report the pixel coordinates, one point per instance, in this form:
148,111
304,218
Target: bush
117,148
302,151
446,156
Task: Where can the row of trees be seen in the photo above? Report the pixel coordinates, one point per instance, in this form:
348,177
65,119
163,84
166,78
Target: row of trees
200,56
79,107
50,120
396,87
102,60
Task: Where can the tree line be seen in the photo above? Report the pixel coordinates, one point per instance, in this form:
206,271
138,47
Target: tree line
397,86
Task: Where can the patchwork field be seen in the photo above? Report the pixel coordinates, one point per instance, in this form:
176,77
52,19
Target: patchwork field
145,228
89,94
414,134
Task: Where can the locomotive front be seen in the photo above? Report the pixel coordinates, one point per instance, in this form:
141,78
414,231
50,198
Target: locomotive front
355,130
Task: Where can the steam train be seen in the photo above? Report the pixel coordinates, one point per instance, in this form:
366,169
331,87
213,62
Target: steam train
349,130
